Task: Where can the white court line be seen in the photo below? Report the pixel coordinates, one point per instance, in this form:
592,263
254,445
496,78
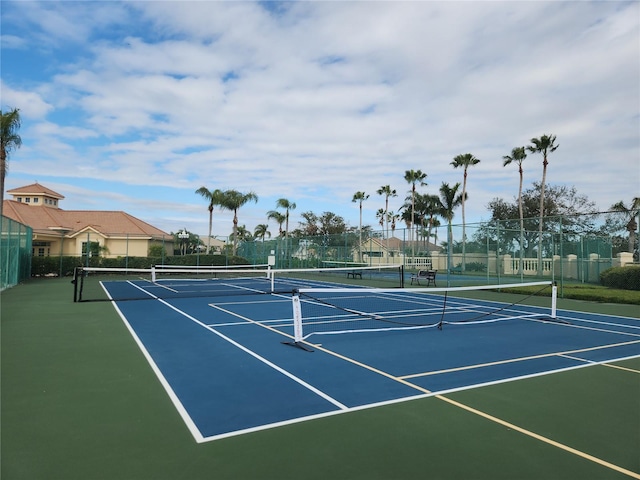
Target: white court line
259,357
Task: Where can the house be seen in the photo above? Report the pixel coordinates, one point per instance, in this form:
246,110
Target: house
376,251
74,232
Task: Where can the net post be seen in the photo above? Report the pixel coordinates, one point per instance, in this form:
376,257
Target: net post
271,274
402,276
75,284
297,323
153,274
554,300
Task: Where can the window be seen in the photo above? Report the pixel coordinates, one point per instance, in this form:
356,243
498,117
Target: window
19,199
35,200
27,200
94,249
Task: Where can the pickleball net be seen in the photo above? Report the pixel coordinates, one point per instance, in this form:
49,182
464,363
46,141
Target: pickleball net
118,284
333,311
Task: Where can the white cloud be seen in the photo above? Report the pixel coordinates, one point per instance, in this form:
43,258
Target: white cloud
320,99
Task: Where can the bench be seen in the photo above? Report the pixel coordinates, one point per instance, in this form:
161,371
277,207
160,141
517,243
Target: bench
457,270
354,274
425,275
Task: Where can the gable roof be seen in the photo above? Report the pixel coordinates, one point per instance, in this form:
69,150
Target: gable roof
35,189
52,220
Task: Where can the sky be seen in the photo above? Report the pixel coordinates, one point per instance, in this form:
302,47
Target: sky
135,105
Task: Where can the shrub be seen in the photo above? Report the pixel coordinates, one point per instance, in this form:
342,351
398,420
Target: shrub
626,278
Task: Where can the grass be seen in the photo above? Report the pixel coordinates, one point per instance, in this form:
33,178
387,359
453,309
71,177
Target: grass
587,292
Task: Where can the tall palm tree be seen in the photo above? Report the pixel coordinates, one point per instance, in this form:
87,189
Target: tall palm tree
360,197
518,154
387,191
631,212
450,200
9,141
413,177
464,161
261,231
214,197
232,200
545,145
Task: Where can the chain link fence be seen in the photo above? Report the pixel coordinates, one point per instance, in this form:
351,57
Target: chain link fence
576,249
15,253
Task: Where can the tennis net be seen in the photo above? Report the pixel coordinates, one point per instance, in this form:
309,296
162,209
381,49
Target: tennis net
330,311
96,283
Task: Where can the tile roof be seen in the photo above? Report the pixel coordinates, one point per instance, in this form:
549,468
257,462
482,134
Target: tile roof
109,223
35,189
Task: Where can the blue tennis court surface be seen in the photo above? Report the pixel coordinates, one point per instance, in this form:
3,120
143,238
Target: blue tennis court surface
223,362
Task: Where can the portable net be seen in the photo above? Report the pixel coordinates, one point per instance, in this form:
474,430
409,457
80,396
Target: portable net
331,311
96,284
382,276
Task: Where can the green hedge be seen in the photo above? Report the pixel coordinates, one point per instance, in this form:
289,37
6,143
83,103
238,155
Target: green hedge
626,278
51,266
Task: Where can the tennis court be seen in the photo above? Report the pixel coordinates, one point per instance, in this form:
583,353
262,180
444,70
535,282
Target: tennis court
224,363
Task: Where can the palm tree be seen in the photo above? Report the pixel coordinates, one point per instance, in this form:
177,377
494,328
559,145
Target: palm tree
518,154
9,141
545,145
243,233
387,192
630,212
450,199
380,217
279,218
232,200
214,197
360,197
261,231
287,205
430,207
413,177
465,161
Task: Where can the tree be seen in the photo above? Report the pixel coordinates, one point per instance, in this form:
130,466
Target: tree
631,212
464,161
428,207
287,205
186,245
450,200
232,200
279,218
387,191
261,231
243,233
214,197
545,145
567,213
518,154
360,197
9,141
413,177
314,225
309,225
